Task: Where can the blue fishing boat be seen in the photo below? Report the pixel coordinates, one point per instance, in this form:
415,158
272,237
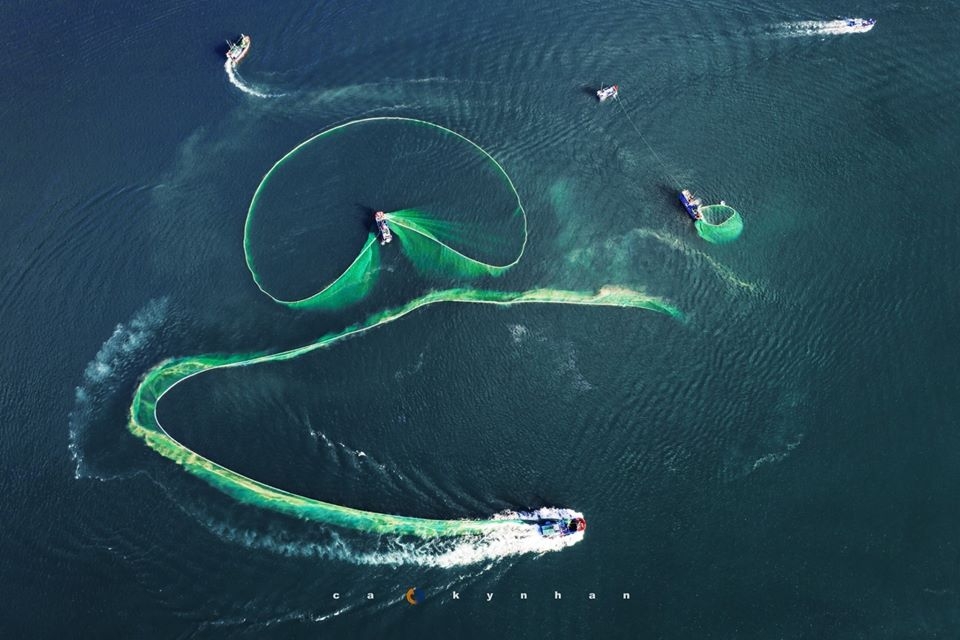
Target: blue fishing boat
555,523
691,204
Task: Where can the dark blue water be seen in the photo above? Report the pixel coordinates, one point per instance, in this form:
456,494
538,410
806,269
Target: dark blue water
783,464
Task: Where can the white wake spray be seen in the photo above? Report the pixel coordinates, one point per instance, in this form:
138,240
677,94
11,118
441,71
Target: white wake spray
499,543
117,359
231,68
825,27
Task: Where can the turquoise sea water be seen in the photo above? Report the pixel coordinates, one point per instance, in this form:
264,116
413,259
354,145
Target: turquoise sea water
784,463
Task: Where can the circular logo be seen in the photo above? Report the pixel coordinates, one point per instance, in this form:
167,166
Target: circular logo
414,595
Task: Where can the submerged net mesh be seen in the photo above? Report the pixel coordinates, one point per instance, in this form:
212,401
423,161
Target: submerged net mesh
350,287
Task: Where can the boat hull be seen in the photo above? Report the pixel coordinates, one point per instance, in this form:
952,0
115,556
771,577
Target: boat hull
555,523
239,50
383,229
608,93
692,210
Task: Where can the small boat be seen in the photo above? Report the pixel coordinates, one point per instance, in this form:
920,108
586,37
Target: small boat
381,219
691,203
859,25
238,50
555,523
606,93
845,25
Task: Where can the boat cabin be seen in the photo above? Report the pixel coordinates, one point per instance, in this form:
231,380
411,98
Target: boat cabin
607,93
382,228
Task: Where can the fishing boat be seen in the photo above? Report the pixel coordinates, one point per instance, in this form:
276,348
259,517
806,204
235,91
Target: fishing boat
858,25
238,50
555,523
382,228
606,93
691,204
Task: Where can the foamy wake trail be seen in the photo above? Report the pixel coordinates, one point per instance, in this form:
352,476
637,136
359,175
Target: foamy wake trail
502,542
510,540
238,82
117,358
820,28
723,272
249,625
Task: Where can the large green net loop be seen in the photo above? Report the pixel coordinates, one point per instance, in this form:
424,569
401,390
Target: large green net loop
430,237
161,379
720,224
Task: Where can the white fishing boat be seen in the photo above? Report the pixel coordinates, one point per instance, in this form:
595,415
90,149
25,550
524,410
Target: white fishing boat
608,93
238,50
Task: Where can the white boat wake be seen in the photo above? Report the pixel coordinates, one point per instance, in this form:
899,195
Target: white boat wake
117,361
507,541
837,27
231,68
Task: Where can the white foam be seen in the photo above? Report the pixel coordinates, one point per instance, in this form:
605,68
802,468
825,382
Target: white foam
777,456
502,542
239,83
508,540
823,27
568,367
518,332
678,244
249,623
108,367
414,369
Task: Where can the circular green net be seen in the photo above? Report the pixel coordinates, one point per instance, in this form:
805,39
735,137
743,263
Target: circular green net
720,224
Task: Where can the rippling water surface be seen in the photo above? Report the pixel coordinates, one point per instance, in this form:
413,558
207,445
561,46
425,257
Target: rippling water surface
782,463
